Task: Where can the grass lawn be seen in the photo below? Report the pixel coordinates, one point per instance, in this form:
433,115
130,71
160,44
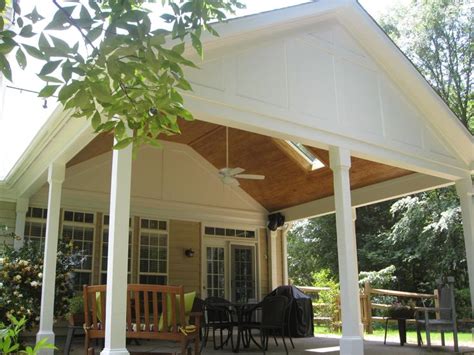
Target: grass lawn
464,338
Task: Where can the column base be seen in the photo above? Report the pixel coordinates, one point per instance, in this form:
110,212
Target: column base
351,345
107,351
46,335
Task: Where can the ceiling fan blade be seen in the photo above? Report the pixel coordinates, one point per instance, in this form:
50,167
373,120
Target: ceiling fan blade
235,171
250,176
229,180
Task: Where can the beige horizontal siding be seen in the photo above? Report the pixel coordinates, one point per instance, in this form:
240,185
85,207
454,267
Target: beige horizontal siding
263,251
8,218
184,270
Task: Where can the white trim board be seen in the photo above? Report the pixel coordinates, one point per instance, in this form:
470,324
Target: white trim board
368,195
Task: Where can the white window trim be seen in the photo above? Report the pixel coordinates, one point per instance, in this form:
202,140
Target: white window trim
158,231
81,224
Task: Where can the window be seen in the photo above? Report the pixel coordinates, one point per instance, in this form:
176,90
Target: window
229,232
79,227
304,152
35,226
153,251
105,250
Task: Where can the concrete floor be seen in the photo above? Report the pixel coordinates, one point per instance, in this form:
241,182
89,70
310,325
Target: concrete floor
328,345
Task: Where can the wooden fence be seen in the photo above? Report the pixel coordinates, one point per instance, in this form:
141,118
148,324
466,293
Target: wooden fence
367,306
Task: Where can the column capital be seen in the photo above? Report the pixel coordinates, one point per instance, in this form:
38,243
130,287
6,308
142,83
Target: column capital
22,204
56,173
339,158
465,186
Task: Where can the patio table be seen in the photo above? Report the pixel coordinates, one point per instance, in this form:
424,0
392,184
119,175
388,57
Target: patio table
239,309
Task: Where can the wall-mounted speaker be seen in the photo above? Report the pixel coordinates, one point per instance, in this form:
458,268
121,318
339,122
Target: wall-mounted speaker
275,220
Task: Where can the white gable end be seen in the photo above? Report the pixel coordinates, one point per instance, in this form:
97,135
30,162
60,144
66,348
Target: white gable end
320,77
174,177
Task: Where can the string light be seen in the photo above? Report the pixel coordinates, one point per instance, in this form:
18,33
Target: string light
45,102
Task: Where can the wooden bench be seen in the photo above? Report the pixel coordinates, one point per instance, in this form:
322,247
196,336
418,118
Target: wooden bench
153,312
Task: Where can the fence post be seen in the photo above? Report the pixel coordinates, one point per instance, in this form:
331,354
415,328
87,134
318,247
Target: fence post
436,301
368,305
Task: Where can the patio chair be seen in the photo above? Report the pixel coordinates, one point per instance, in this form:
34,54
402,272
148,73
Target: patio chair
274,311
218,317
447,316
252,320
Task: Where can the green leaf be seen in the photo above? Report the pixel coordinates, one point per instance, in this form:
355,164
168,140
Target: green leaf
7,45
43,42
60,21
95,33
27,31
184,84
101,91
16,7
96,121
197,44
21,58
106,126
123,143
179,48
34,52
168,18
49,67
5,67
50,79
66,71
60,44
34,16
48,90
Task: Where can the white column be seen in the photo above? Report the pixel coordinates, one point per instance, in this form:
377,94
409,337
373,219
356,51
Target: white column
351,340
273,260
116,302
21,209
284,246
55,179
465,192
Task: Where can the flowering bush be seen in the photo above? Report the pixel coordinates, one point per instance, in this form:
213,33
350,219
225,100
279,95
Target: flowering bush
21,274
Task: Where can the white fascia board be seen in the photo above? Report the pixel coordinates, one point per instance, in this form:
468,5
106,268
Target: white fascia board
376,42
60,139
269,22
387,190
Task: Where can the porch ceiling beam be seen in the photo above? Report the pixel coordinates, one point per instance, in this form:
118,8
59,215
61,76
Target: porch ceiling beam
368,195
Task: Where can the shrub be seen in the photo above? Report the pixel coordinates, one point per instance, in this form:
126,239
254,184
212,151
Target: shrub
21,274
10,339
327,301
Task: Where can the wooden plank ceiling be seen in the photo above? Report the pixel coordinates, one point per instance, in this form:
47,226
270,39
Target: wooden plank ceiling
287,183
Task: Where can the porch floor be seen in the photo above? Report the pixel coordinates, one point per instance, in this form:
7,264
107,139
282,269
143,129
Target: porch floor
328,345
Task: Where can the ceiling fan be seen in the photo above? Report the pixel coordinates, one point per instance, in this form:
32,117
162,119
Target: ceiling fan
228,175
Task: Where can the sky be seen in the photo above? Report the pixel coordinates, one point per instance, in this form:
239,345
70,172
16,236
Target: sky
22,113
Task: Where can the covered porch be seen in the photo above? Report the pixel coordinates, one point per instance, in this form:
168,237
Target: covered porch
321,75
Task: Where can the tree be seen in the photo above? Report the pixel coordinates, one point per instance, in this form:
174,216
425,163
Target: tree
437,35
420,235
126,71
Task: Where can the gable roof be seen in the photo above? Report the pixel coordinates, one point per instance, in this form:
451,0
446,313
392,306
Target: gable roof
373,39
347,12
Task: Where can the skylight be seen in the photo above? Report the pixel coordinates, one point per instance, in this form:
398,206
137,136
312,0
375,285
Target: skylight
304,152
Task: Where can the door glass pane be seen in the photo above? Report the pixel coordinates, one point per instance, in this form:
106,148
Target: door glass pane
243,273
215,272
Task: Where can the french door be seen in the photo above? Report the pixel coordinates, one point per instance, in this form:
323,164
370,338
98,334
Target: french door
229,271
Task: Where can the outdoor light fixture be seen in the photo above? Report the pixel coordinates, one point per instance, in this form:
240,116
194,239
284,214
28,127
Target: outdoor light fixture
189,253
